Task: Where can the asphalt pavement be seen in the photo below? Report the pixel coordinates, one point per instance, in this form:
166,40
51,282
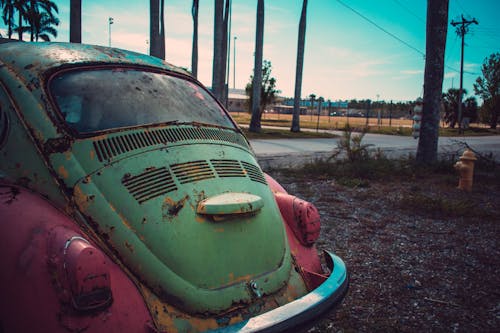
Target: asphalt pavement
293,152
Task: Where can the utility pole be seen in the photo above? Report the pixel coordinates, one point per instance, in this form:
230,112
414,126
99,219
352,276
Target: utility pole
234,63
462,29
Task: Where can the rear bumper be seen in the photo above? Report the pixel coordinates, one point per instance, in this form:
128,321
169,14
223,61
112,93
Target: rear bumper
309,307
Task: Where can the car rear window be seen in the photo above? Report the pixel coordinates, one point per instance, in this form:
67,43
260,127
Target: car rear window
102,99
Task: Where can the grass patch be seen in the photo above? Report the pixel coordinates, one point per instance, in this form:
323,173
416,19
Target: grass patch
268,133
423,203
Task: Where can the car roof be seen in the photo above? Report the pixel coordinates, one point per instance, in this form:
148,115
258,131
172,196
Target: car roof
31,60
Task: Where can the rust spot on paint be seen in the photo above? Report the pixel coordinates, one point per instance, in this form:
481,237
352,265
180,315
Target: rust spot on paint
170,208
129,246
63,172
199,219
57,145
81,199
92,154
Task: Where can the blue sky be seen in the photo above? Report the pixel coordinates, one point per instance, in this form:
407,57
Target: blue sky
346,56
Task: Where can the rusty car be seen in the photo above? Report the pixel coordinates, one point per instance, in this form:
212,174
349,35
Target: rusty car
130,201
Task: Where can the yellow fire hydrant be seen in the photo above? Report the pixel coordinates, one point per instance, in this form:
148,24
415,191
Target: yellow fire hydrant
465,167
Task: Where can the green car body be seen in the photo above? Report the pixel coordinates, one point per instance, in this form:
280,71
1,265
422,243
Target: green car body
154,171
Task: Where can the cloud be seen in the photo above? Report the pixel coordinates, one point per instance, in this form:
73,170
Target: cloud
412,71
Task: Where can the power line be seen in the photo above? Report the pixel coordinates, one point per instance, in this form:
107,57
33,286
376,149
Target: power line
380,28
410,11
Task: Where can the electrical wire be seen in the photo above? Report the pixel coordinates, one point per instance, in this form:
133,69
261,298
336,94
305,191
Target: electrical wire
381,28
410,11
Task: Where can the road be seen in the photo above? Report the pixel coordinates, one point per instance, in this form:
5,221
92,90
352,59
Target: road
291,152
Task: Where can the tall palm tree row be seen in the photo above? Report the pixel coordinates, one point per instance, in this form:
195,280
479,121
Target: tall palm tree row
36,17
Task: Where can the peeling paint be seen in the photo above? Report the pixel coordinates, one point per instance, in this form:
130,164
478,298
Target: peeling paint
170,208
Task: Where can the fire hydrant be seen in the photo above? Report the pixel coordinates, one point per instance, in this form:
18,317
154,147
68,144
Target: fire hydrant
465,167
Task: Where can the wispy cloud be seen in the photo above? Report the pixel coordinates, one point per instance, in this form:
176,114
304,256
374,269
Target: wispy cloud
412,71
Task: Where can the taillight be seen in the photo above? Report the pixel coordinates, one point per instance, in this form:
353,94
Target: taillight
88,275
80,270
302,217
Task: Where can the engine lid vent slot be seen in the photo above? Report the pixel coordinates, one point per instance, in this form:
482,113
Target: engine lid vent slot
192,171
150,184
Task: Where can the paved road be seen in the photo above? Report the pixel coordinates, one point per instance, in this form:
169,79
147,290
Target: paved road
296,151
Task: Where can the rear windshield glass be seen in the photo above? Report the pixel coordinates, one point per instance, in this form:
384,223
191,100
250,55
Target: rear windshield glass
102,99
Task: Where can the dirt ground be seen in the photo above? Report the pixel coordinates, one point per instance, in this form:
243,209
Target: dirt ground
422,255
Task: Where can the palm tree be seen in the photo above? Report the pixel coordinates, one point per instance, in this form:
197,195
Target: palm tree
194,56
437,27
156,28
75,21
41,19
22,10
298,72
44,27
257,69
8,15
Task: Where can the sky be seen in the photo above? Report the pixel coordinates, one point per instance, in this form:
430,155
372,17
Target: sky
355,49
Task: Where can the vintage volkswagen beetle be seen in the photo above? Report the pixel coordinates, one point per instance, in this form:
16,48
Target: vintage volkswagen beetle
131,202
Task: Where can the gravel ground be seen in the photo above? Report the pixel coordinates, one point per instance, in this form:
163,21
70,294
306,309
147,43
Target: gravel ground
422,255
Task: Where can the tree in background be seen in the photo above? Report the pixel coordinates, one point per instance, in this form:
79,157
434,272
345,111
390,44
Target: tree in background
436,30
156,29
268,91
8,15
194,55
488,87
257,70
75,21
312,98
37,17
471,109
299,67
450,106
22,8
41,19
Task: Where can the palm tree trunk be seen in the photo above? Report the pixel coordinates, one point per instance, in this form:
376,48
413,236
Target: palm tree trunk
75,21
218,37
20,25
437,27
11,20
162,29
156,29
194,55
32,12
257,69
222,77
298,71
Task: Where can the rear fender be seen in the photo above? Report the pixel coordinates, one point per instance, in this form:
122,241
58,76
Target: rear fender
302,224
54,277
